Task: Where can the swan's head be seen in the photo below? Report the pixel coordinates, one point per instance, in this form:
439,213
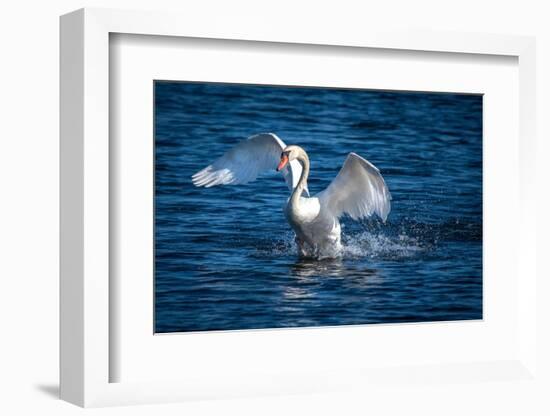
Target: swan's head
289,154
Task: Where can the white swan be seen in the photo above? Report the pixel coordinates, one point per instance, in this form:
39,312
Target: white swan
358,190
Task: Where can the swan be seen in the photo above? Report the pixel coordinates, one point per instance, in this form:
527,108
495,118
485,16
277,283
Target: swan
359,190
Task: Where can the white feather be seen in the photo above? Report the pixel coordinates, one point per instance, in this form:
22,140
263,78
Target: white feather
358,191
248,159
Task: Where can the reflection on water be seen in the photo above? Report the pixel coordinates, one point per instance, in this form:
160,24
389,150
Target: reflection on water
296,292
308,271
307,268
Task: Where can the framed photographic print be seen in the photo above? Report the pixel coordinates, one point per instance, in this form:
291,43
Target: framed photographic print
285,212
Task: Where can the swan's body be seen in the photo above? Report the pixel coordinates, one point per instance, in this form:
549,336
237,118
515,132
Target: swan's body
358,190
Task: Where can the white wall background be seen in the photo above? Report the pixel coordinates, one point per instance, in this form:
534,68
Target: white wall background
29,206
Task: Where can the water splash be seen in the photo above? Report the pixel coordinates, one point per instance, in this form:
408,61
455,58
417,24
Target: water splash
381,246
360,245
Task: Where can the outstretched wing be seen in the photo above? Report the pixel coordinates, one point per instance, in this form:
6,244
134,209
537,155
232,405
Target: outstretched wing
358,190
244,162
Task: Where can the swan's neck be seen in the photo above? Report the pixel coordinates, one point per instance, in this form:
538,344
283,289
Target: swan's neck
297,193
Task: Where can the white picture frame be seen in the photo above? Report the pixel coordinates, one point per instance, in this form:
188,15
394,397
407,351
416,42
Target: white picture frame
85,211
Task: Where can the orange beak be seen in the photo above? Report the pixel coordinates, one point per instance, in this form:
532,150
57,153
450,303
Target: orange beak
283,162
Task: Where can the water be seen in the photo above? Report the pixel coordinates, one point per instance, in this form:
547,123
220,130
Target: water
225,256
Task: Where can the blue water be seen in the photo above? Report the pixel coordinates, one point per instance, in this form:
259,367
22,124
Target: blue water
225,257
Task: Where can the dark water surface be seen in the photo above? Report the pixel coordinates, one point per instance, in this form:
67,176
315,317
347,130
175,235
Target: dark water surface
225,256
